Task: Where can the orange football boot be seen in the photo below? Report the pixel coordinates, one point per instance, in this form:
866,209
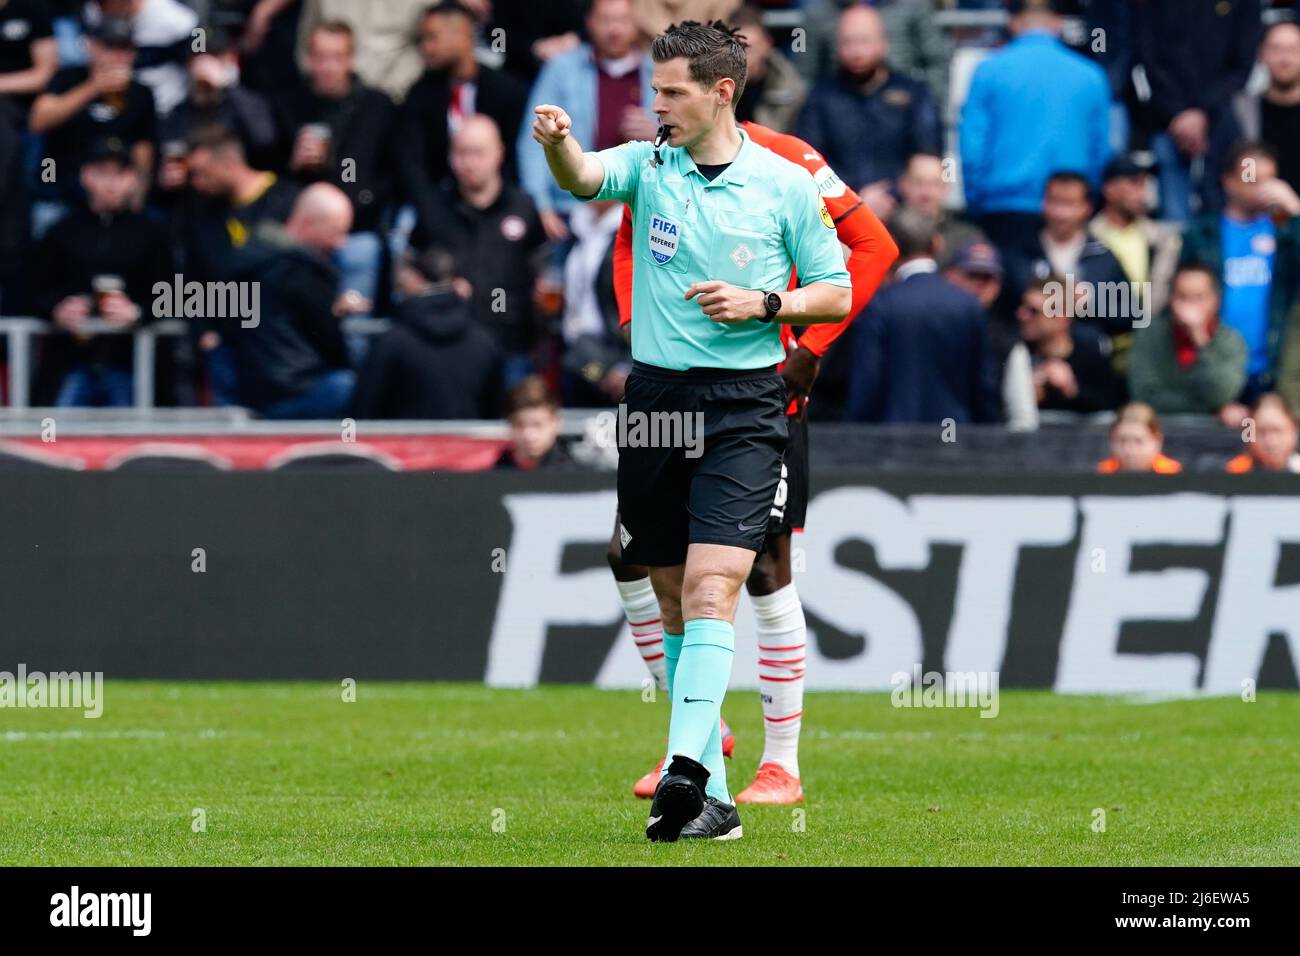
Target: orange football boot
645,787
772,784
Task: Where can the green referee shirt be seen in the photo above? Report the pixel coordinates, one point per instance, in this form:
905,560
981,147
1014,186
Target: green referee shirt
748,227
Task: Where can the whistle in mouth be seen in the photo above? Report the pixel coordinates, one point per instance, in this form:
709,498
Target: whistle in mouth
661,137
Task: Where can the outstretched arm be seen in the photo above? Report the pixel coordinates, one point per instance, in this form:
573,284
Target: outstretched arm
574,171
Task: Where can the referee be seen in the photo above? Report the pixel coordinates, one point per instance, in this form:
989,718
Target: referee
718,224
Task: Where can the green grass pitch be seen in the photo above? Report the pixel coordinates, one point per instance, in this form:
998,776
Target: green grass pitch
465,775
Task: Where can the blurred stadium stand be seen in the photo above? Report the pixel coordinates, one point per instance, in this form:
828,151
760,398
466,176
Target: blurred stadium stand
1062,442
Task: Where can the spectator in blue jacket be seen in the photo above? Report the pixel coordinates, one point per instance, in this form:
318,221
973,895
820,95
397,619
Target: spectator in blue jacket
605,87
1253,246
869,119
1033,108
921,350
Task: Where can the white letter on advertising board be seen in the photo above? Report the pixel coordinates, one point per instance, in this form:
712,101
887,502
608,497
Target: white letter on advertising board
991,531
1100,604
1250,606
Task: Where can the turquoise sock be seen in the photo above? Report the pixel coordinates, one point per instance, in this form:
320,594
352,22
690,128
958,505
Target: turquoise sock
699,685
672,651
713,759
717,764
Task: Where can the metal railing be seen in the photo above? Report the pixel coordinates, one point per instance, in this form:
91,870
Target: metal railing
19,332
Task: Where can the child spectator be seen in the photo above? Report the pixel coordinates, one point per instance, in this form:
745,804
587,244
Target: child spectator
1137,443
533,412
1272,446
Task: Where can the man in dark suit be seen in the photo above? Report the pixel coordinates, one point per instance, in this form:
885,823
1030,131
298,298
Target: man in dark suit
454,85
921,349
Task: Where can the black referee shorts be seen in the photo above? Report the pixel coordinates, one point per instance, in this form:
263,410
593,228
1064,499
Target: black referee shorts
699,460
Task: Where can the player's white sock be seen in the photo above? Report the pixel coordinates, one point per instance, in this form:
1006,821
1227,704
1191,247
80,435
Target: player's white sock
782,644
641,608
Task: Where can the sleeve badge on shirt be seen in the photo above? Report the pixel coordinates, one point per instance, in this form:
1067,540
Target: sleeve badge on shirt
826,213
828,184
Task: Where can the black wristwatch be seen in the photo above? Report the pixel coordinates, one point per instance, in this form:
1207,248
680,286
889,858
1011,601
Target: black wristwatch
771,306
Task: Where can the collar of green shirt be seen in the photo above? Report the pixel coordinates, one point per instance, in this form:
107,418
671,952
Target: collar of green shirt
737,172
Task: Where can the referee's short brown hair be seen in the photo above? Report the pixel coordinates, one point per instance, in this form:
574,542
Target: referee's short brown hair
713,50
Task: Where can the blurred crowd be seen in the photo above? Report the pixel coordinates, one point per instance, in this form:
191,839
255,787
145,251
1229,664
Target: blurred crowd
1095,201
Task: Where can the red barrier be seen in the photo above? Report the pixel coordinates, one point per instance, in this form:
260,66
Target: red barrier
260,452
